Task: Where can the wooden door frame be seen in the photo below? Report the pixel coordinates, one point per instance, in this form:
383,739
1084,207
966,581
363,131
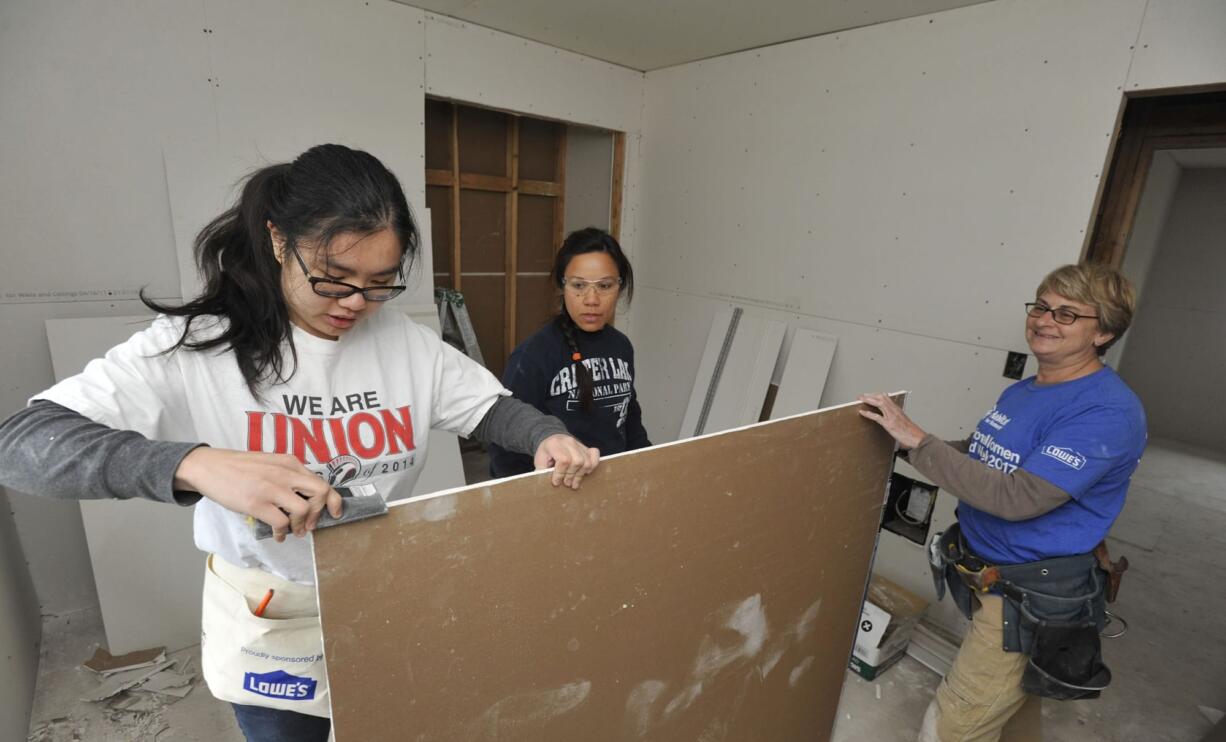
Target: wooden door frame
1149,123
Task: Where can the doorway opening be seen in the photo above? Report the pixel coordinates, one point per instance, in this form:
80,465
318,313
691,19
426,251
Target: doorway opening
503,189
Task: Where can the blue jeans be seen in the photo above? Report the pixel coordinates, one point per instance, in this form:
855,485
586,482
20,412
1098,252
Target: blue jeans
260,724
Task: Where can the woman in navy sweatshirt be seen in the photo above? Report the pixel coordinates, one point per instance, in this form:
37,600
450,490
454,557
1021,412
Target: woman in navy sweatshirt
578,367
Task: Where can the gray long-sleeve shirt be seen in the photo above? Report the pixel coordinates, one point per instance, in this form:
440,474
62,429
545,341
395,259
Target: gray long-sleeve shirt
1019,495
50,450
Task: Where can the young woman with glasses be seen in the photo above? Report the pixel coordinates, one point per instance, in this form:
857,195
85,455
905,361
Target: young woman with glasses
579,368
285,379
1039,483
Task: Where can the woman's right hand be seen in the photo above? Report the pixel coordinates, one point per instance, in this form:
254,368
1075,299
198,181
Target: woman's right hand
274,488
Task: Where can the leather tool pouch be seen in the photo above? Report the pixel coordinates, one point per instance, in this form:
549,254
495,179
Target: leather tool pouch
1057,609
1066,661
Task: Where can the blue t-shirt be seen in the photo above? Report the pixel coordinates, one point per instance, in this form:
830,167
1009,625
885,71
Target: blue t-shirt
1084,436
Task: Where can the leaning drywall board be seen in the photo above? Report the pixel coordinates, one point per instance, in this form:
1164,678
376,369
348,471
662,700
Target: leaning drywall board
732,380
702,589
147,569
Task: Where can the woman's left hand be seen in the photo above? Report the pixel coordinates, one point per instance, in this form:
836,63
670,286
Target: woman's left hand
891,417
570,459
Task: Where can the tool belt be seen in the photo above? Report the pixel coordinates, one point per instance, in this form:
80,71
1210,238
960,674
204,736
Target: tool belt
1053,610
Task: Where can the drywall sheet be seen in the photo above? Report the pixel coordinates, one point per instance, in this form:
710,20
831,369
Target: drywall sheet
705,589
804,373
1182,43
734,374
147,569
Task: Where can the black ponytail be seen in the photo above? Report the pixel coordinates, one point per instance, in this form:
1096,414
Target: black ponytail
591,239
328,190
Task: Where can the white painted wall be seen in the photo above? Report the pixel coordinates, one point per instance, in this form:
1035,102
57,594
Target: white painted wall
903,187
124,126
1175,359
20,631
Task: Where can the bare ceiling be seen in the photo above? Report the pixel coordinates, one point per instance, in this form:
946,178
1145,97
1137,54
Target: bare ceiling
650,34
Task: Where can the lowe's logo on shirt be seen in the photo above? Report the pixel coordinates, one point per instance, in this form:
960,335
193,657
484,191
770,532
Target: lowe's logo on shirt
280,684
1065,456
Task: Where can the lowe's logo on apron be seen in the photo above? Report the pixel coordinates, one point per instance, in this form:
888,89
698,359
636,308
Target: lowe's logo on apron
280,684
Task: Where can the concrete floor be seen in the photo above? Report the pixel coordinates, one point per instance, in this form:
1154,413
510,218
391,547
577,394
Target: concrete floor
1168,664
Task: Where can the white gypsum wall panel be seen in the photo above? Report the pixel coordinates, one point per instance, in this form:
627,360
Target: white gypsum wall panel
50,531
279,76
734,376
1175,359
1182,43
86,91
806,364
494,69
20,631
920,175
148,572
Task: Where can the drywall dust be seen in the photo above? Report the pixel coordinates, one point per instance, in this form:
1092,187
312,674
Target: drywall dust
522,713
440,508
742,635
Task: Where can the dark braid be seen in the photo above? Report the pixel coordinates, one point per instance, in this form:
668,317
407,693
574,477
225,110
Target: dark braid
567,326
590,239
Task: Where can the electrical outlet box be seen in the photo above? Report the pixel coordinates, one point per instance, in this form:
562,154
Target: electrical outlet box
908,508
1015,365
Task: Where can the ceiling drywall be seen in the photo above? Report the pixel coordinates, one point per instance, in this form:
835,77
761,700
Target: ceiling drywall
650,34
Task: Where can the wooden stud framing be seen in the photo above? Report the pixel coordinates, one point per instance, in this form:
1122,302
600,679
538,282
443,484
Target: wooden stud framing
619,179
1149,125
456,282
512,186
510,316
559,209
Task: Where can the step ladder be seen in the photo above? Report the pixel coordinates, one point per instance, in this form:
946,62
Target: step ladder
454,323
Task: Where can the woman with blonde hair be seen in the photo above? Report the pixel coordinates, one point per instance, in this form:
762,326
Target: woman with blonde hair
1039,484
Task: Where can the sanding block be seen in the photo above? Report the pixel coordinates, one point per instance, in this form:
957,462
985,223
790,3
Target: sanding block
360,502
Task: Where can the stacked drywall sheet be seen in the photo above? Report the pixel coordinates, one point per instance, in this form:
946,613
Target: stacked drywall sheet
147,569
732,380
703,589
804,373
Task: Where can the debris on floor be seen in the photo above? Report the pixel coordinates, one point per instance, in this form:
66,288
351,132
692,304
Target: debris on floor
60,728
104,663
133,689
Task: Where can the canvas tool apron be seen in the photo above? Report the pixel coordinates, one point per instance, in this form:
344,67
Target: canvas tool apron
275,661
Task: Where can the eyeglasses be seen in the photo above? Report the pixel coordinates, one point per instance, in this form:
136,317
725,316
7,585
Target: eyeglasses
339,289
603,286
1062,316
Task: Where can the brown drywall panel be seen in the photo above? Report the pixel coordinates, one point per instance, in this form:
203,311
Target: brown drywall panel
485,297
536,248
482,135
483,231
438,134
538,149
537,303
702,590
438,201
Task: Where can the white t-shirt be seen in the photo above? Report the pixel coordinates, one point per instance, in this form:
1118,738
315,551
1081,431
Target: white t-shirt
356,411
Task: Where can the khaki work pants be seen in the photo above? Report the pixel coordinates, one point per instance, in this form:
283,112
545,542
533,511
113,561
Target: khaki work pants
981,698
